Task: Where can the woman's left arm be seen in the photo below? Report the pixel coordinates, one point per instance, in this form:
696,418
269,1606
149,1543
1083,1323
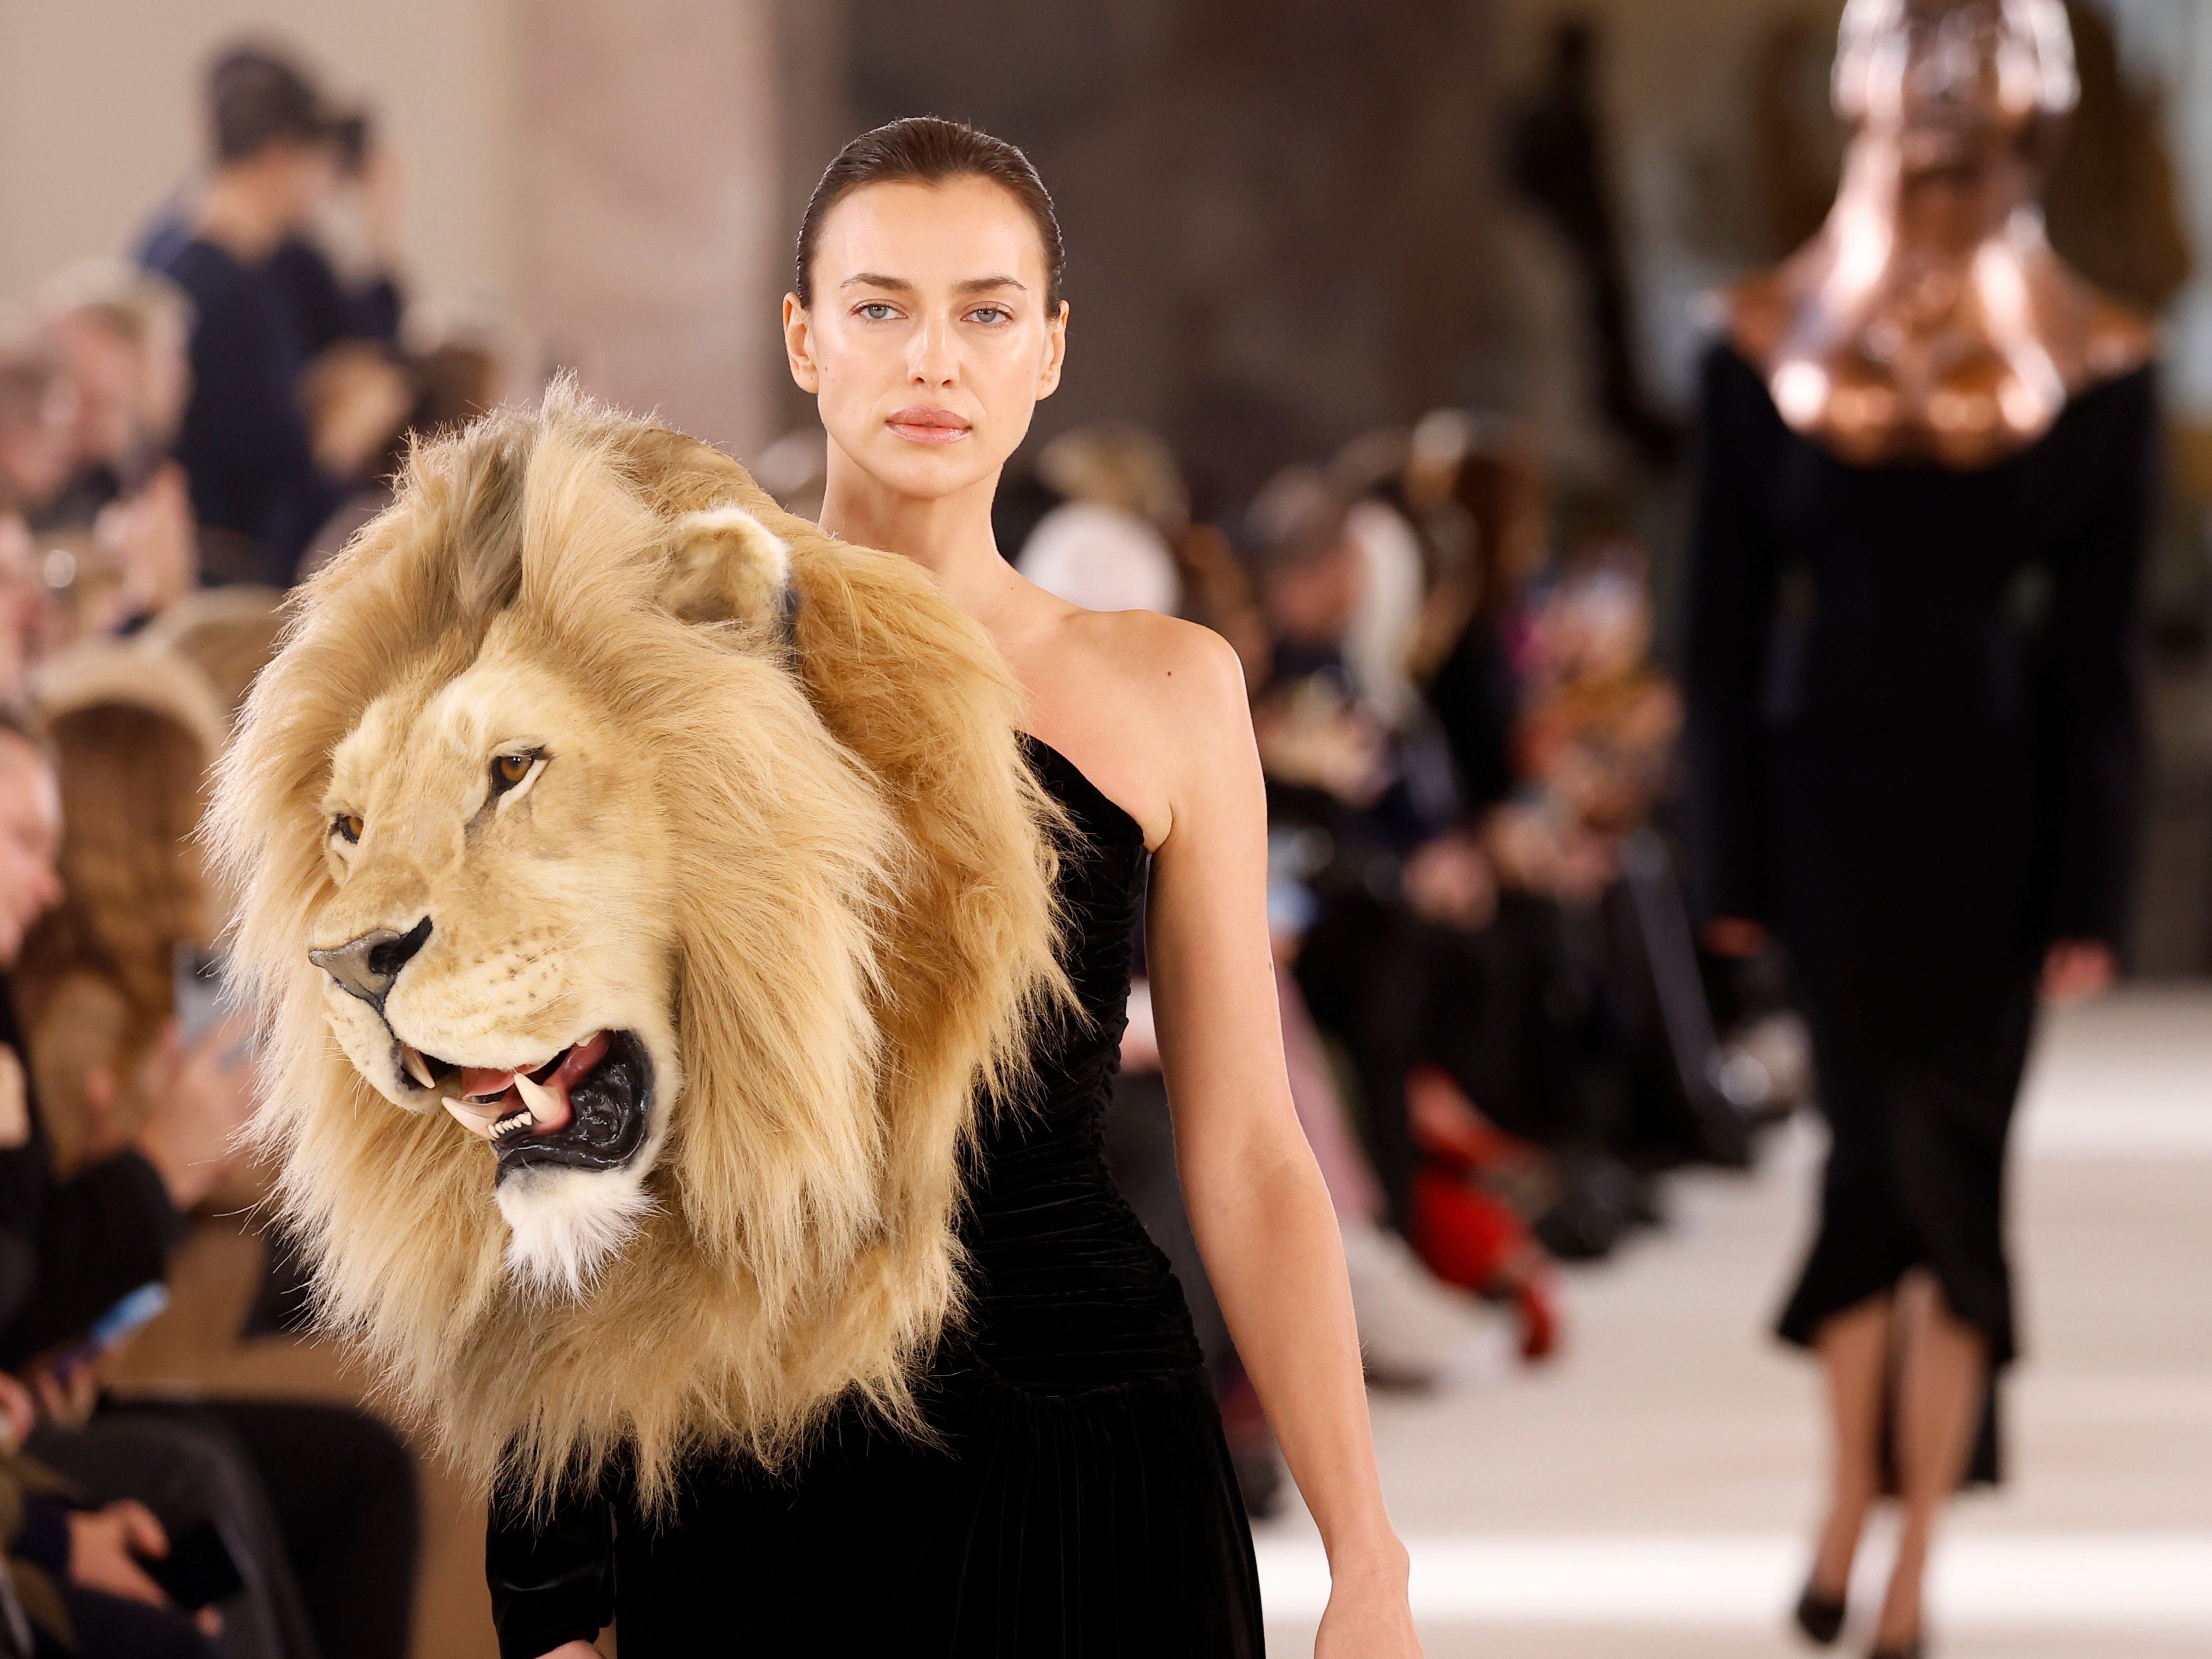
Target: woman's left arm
1257,1204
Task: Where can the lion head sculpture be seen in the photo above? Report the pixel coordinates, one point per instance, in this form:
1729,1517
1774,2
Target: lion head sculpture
637,889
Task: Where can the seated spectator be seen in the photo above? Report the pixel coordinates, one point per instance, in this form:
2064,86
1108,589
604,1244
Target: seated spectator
452,383
263,475
228,634
108,1229
76,1580
119,333
1103,559
37,428
26,618
135,731
1128,471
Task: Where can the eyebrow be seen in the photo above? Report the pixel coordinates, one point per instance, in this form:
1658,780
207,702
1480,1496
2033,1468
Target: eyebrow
900,285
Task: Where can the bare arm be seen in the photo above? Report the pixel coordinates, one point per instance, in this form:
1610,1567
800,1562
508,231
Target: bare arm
1257,1203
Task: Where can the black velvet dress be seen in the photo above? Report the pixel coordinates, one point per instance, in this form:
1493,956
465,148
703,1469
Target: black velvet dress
1082,1503
1911,748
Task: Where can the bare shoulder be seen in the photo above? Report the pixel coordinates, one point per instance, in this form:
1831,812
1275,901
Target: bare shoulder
1151,708
1161,667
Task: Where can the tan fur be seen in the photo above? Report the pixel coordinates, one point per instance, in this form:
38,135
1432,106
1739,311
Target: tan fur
824,819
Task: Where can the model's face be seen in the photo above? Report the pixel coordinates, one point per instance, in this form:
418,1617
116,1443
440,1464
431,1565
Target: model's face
928,342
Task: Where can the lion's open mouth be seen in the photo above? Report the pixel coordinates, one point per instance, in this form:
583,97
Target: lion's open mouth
585,1109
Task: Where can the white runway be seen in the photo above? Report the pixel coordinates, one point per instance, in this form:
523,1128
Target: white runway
1650,1496
2088,1581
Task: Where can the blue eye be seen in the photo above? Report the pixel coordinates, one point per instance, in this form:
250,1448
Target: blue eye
876,310
990,314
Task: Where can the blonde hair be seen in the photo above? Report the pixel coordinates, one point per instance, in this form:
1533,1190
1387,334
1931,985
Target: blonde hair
132,739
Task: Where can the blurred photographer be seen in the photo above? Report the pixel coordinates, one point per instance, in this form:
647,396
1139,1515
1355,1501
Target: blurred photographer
265,470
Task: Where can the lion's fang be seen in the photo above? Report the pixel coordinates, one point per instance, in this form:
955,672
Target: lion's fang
467,1119
545,1106
417,1068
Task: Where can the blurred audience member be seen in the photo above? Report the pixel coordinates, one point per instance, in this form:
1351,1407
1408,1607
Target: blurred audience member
1481,501
265,475
1380,634
108,1226
1310,572
1595,733
135,731
322,1498
121,333
38,427
1101,559
74,1579
25,612
453,383
1119,464
1129,471
228,634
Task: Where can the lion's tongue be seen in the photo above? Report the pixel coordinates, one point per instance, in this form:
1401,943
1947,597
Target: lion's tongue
548,1101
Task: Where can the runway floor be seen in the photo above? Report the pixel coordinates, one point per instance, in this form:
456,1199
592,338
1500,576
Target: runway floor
1650,1495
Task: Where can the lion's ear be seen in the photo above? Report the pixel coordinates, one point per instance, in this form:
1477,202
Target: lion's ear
724,565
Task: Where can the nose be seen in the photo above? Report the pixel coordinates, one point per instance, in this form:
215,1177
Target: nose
368,965
930,360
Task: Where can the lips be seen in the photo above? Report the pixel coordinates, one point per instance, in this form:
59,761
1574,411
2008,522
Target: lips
585,1108
930,425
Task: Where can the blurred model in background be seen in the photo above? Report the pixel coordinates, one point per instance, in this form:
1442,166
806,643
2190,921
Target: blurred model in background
1925,490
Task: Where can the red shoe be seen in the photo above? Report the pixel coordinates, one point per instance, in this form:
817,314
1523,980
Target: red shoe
1468,1237
1540,1322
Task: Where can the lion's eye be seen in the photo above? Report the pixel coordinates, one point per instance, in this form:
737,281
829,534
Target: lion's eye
509,770
347,826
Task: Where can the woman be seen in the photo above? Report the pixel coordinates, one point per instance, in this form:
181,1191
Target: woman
1924,499
1079,1500
135,731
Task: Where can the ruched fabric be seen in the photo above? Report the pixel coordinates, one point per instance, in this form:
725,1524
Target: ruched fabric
1078,1502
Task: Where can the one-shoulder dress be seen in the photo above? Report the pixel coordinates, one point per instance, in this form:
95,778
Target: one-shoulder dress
1080,1504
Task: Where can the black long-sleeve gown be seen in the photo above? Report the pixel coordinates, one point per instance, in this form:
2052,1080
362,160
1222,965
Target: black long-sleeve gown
1082,1506
1911,748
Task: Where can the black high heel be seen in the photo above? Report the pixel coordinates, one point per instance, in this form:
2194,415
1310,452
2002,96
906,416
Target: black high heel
1821,1618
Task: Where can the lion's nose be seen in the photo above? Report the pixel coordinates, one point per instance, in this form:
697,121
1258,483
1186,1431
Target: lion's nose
368,965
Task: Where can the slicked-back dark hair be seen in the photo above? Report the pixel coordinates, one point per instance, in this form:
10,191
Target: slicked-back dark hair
927,150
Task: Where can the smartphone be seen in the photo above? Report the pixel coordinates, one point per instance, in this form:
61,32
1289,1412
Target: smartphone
199,1570
112,1330
198,974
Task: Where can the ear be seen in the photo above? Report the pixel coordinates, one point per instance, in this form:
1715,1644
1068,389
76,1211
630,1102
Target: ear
724,565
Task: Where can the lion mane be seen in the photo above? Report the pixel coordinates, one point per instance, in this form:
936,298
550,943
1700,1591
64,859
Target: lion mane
831,826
